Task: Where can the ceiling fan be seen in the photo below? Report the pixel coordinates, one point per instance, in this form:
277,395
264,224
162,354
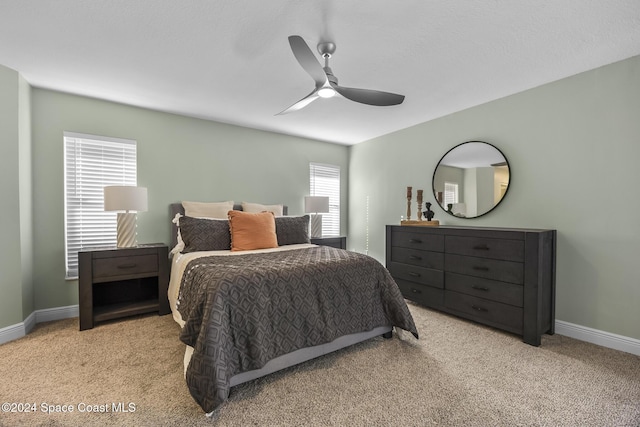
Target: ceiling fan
327,84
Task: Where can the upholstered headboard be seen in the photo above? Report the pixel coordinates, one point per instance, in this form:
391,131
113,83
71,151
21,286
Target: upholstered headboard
175,208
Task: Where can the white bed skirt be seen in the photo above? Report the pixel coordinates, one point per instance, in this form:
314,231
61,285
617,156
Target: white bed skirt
298,356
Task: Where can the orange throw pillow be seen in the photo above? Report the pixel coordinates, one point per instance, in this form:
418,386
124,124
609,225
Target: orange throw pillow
252,230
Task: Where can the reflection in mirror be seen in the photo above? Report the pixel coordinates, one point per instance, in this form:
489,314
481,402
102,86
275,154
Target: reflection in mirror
471,179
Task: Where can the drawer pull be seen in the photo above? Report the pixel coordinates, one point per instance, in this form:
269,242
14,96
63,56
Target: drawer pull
480,268
415,258
475,307
416,291
412,274
415,241
479,288
481,247
127,266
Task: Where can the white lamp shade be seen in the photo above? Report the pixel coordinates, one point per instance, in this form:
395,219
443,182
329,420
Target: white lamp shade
125,198
316,204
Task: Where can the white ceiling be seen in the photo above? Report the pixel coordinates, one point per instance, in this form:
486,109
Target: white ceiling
230,61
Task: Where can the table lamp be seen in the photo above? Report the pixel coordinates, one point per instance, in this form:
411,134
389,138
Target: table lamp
125,198
316,205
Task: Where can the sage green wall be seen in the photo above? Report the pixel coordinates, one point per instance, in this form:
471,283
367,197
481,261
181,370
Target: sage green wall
10,277
179,158
573,147
26,196
12,217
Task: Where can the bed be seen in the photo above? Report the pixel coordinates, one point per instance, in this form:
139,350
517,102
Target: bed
247,313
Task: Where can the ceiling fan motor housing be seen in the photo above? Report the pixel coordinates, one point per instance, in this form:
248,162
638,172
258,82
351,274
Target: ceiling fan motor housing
326,49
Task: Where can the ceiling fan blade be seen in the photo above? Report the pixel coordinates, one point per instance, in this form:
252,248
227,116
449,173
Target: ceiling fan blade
307,60
371,97
302,103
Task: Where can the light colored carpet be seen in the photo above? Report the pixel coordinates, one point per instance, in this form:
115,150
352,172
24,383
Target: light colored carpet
458,374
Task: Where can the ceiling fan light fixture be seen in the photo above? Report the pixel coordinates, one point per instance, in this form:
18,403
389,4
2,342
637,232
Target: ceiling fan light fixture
326,92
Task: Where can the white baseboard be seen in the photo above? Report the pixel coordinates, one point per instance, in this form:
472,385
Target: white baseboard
12,332
21,329
30,322
595,336
57,313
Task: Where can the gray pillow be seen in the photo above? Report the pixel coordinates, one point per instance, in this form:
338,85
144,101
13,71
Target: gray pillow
292,230
200,234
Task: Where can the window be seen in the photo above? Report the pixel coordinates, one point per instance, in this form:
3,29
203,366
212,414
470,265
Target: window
91,163
324,180
450,194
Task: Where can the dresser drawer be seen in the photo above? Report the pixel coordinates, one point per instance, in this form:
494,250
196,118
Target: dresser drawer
431,297
124,266
504,271
482,310
425,259
421,275
508,250
425,242
507,293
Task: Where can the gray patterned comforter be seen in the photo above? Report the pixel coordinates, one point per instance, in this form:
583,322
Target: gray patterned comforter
241,311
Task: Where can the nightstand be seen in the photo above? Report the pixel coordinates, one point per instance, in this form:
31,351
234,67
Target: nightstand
119,282
339,242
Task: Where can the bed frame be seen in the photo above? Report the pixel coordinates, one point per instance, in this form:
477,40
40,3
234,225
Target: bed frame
295,357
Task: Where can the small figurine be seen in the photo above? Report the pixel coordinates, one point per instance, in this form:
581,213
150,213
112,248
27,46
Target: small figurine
428,213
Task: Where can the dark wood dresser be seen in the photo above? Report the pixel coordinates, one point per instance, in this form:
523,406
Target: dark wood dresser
501,277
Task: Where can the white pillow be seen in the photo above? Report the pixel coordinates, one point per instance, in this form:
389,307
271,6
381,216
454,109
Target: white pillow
207,210
180,243
257,208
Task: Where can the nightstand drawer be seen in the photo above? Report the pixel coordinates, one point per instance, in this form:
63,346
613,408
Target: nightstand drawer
339,242
125,266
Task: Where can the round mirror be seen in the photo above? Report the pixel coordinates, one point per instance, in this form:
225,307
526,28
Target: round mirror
471,179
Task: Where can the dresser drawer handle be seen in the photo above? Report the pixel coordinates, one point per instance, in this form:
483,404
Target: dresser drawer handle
481,247
127,266
475,307
412,274
415,257
479,288
416,291
480,268
415,241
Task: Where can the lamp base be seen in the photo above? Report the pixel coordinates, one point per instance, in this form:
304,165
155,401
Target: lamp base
126,230
316,225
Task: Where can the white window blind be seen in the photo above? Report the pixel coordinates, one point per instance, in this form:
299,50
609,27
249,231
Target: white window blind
91,163
324,181
450,194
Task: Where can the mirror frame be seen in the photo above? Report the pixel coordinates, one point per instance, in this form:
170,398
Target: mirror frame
433,179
